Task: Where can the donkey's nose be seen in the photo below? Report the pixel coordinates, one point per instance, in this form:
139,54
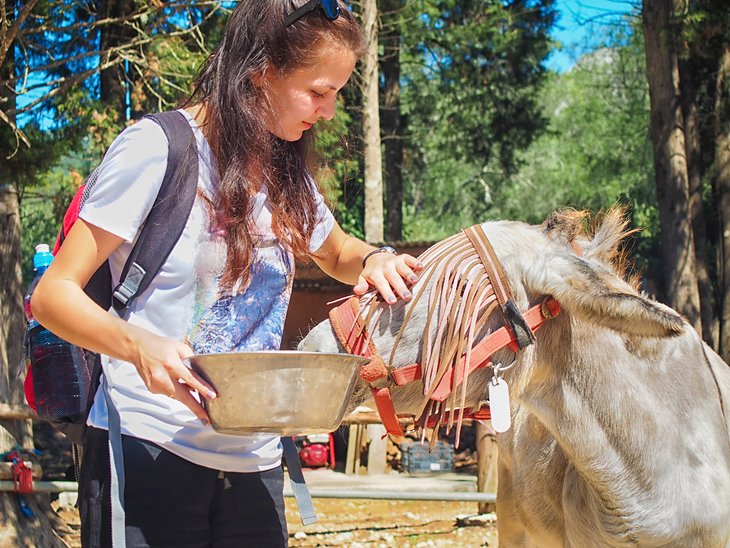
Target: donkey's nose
320,339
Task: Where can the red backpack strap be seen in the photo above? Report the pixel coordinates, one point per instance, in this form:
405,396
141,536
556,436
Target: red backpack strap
72,213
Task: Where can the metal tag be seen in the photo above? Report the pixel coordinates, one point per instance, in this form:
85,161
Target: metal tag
499,405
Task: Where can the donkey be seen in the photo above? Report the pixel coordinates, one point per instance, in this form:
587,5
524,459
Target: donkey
620,414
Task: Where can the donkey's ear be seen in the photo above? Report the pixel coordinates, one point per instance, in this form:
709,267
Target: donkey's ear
605,246
589,291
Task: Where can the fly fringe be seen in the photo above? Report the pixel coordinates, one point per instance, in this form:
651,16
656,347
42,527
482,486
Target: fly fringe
460,301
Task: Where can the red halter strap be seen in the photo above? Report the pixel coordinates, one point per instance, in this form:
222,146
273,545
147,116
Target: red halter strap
481,353
351,332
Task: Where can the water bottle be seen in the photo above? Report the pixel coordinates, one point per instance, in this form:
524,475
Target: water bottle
41,261
59,369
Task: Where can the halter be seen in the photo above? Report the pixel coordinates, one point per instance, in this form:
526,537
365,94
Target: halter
470,282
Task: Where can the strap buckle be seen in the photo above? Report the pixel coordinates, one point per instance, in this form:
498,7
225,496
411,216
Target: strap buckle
127,290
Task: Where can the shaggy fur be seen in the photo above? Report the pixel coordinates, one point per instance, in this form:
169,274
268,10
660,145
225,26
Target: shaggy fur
620,428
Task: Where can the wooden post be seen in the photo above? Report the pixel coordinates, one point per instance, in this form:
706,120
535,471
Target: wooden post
486,463
377,449
354,443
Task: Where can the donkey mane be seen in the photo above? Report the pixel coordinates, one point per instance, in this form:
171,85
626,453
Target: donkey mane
603,237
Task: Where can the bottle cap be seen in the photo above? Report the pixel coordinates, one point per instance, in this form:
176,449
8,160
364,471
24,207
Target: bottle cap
42,256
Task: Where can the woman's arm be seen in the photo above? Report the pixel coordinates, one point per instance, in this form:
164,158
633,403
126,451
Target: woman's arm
60,304
341,256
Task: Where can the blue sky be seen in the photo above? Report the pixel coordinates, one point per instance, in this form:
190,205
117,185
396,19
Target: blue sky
580,25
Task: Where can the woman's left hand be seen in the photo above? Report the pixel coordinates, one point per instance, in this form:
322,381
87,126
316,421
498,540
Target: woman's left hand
390,274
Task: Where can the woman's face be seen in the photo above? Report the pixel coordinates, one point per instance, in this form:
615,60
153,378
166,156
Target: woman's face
301,97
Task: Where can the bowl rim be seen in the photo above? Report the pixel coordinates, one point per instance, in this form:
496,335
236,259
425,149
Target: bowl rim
281,352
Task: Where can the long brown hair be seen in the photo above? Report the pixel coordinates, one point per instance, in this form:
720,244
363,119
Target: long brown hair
256,40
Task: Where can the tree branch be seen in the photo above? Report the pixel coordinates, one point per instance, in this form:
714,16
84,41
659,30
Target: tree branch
8,37
19,135
64,84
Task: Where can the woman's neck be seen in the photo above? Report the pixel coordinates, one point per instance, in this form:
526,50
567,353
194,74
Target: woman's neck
197,111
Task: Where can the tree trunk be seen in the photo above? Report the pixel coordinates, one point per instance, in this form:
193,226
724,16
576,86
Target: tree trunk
690,108
391,119
371,127
15,528
115,81
12,324
722,185
11,306
670,162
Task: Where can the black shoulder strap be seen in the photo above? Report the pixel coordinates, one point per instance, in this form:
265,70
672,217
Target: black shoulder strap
169,214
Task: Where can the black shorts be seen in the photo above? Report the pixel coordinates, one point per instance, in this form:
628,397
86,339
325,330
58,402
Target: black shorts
170,501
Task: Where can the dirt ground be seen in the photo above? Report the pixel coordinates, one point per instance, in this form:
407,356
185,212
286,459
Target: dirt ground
364,523
391,523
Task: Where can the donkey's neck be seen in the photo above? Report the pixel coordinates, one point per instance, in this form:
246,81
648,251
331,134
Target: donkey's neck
609,401
587,388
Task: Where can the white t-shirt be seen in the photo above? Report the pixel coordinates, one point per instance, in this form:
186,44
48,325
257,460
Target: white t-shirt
184,301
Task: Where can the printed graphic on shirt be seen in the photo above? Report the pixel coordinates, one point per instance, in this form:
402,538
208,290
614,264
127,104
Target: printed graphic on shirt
251,320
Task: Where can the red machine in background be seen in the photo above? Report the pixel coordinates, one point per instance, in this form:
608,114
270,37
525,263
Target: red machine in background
316,450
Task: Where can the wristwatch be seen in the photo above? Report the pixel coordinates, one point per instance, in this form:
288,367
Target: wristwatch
384,249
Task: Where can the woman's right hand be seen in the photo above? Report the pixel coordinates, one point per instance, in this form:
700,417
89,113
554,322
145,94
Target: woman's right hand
159,361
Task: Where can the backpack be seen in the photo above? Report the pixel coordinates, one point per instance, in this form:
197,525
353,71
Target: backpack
70,402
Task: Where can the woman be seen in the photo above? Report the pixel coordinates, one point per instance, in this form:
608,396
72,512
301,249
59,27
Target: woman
225,286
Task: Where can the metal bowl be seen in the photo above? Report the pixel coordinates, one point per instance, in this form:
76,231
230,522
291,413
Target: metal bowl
286,393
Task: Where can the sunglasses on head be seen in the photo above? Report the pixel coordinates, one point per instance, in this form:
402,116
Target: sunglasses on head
329,7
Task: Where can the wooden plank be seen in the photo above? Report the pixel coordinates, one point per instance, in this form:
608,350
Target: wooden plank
372,417
353,449
369,417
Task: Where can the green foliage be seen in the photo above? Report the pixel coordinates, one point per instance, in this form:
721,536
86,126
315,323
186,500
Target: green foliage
489,58
704,26
173,56
339,171
72,151
18,163
46,196
42,210
596,151
22,167
471,73
76,128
